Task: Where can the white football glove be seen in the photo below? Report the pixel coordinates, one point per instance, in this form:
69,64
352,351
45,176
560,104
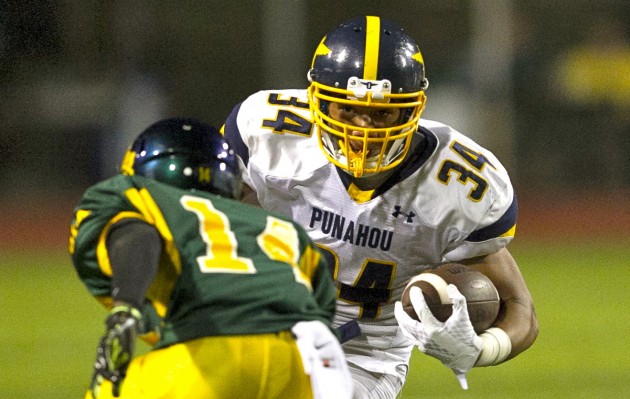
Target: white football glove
453,342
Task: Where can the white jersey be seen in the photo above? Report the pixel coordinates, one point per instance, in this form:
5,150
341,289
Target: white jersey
452,200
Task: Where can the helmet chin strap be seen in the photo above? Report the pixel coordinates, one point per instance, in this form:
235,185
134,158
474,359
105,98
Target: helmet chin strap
355,161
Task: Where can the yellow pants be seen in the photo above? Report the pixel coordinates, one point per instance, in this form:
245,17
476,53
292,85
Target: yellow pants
262,366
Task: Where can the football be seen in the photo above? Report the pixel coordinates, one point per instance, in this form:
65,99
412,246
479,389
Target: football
481,295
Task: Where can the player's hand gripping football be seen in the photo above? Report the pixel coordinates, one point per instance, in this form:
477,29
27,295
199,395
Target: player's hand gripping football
115,349
453,342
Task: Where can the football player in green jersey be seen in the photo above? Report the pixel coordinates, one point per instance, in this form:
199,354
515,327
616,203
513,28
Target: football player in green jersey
237,301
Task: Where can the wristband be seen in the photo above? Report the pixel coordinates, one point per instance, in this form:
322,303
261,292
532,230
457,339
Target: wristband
496,347
135,313
119,313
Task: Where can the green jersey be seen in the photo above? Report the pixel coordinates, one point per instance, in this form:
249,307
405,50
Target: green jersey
226,268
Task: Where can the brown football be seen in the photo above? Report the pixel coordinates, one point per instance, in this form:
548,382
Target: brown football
481,295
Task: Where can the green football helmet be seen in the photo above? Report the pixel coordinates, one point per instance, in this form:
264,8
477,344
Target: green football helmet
185,153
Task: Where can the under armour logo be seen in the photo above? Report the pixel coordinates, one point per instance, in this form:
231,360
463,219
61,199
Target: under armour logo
409,215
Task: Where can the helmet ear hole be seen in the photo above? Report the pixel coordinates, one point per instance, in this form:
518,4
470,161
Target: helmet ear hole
311,75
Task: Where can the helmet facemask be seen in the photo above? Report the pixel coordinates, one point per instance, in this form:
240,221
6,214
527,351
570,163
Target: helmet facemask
363,151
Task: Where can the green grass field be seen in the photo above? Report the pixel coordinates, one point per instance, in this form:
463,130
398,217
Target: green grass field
50,327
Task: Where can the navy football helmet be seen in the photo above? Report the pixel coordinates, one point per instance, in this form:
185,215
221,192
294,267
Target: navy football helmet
367,62
185,153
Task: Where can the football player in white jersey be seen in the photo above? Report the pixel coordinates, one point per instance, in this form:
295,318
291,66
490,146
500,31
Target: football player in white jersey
385,195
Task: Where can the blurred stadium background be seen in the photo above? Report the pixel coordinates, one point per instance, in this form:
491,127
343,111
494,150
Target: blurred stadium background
544,84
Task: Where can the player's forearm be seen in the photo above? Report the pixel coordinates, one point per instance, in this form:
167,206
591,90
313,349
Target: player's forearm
516,316
518,319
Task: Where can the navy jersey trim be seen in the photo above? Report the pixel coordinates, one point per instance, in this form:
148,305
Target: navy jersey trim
496,229
233,136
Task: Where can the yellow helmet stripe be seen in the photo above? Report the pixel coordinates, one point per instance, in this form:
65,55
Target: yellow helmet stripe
127,164
372,40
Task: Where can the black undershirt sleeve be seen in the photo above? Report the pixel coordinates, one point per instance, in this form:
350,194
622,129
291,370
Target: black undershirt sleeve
134,249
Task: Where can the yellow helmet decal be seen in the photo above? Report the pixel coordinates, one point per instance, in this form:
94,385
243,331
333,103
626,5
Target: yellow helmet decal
204,174
418,57
321,50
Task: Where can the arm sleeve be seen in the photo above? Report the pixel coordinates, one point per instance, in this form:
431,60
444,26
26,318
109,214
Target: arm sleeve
134,249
